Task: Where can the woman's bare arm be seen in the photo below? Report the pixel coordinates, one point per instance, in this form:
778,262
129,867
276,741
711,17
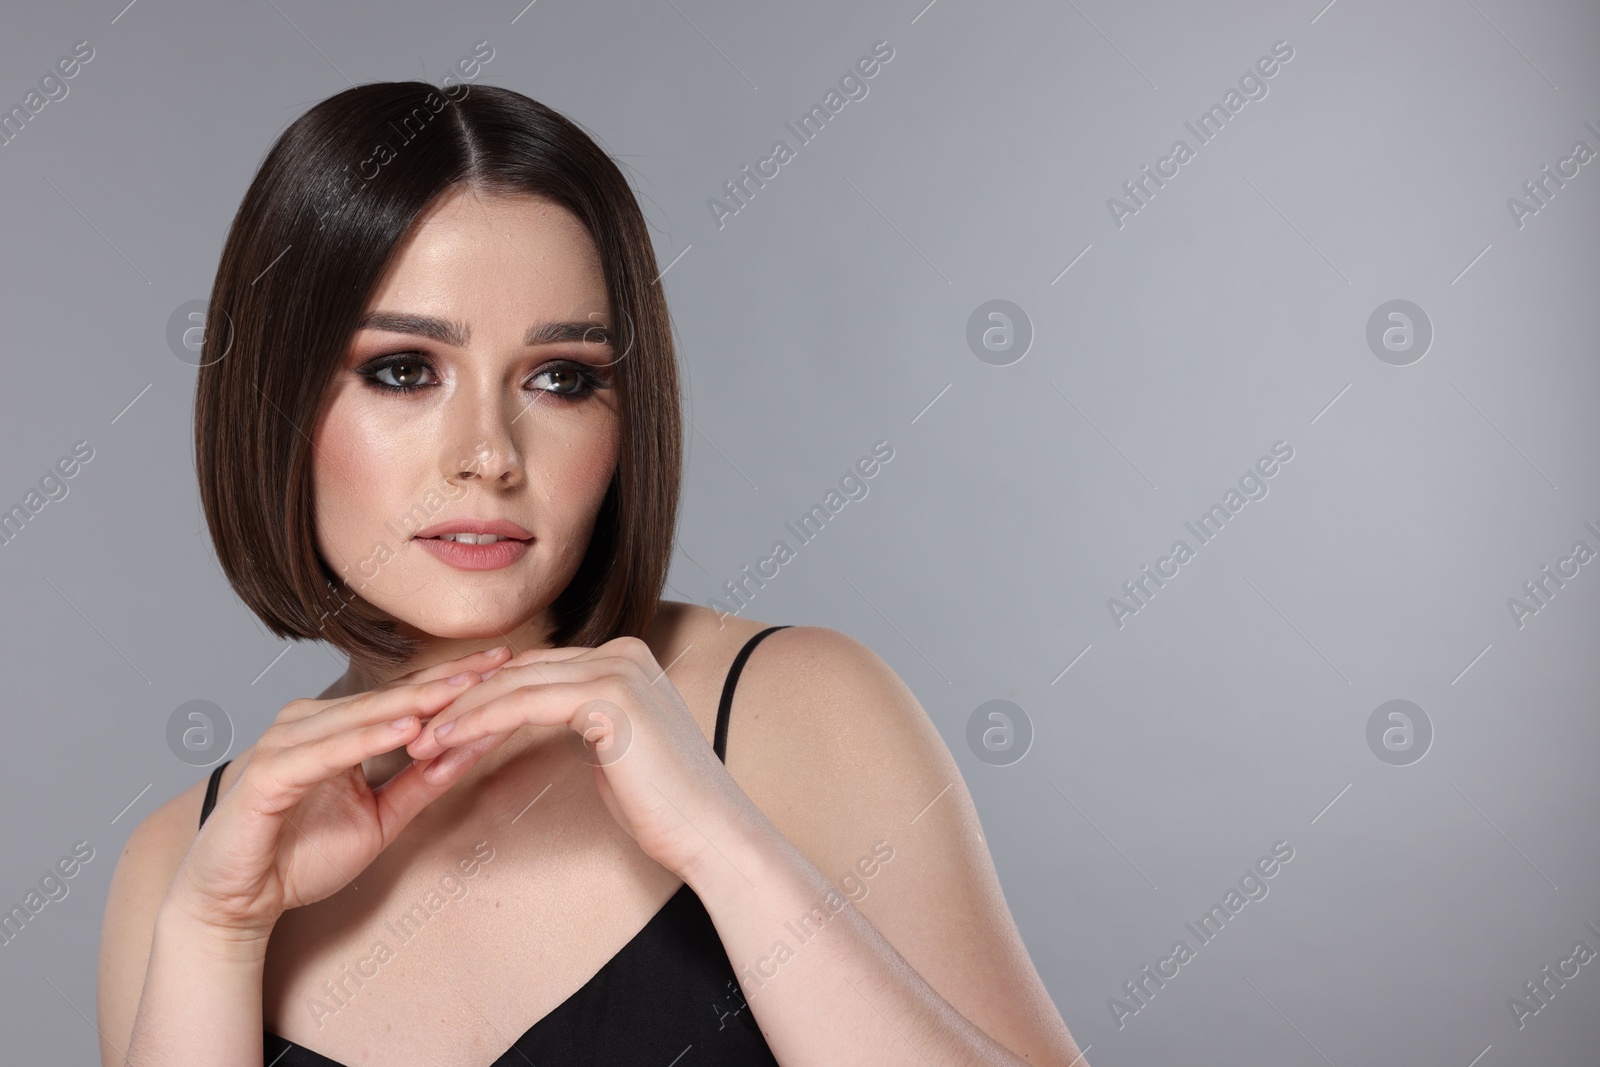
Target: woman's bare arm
190,913
171,992
912,956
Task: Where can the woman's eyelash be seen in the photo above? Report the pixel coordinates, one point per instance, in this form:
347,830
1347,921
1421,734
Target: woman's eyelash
388,363
588,379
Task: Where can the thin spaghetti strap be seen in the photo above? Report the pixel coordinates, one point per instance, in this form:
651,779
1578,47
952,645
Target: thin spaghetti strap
719,743
211,791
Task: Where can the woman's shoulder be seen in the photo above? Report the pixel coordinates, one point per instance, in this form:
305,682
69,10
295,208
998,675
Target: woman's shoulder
821,661
697,645
156,846
821,722
678,625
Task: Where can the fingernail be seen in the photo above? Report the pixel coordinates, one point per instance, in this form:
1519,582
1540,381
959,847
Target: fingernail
444,728
497,651
458,679
405,723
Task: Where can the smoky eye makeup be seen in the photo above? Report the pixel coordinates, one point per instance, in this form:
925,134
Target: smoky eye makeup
402,373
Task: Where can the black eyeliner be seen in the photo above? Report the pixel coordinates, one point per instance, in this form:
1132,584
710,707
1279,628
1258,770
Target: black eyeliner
591,380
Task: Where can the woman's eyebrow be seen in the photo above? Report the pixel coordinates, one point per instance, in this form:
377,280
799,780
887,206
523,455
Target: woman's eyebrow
444,331
546,333
457,334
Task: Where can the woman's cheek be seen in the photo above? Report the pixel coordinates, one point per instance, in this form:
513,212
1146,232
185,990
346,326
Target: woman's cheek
341,537
579,466
349,467
576,488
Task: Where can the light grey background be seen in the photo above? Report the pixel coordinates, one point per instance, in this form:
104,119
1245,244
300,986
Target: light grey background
831,312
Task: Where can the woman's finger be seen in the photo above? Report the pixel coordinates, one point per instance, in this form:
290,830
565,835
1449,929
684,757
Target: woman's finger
306,707
552,704
276,779
556,654
452,763
508,679
422,700
482,661
419,784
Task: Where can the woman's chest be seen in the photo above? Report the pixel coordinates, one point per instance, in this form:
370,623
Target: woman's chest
454,943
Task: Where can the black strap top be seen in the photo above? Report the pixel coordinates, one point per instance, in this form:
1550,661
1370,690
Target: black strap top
669,991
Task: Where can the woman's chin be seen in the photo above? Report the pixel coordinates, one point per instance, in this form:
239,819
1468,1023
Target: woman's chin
488,627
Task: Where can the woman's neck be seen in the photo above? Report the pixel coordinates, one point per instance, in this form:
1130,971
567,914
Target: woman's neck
361,676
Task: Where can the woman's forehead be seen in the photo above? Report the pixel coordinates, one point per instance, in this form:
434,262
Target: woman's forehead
521,258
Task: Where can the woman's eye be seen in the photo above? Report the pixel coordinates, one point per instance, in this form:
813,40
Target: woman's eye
565,381
569,380
405,374
402,374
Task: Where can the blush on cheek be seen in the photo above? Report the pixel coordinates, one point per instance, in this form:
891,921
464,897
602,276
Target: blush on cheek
571,486
582,479
348,480
336,480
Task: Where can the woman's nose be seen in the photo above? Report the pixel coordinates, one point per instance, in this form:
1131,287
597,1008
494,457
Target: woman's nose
485,448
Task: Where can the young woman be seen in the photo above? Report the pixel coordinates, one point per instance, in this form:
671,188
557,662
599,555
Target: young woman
437,426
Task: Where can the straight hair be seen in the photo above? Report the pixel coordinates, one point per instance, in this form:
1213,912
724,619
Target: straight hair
311,240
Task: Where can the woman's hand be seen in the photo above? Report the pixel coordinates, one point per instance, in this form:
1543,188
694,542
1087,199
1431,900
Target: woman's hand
657,776
300,822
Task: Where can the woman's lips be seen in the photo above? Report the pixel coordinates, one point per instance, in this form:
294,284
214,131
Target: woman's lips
475,557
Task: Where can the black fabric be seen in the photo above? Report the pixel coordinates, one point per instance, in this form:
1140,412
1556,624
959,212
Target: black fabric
670,990
210,791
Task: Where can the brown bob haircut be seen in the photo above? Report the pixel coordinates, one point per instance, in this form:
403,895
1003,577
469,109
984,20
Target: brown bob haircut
312,238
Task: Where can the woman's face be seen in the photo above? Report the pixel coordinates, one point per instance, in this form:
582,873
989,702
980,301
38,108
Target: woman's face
495,316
